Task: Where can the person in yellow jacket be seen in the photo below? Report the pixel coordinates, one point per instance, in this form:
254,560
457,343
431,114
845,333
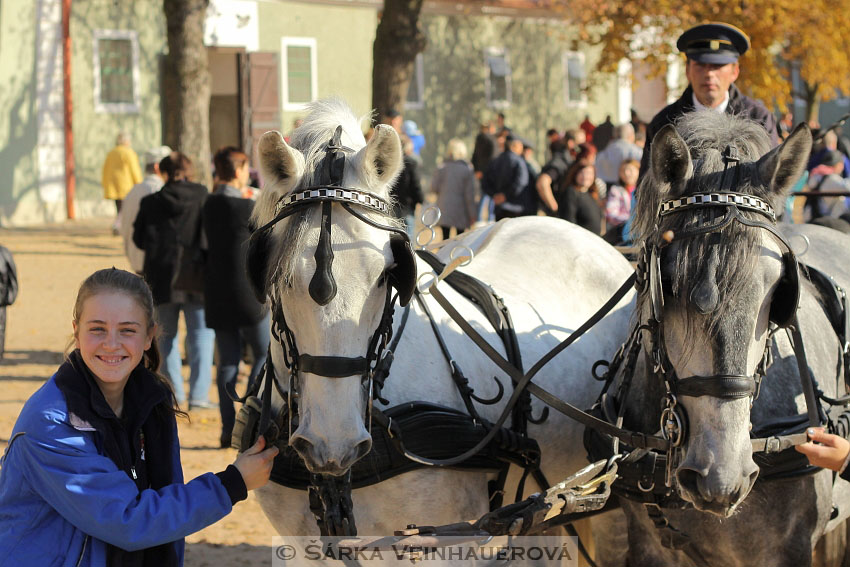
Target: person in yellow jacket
120,172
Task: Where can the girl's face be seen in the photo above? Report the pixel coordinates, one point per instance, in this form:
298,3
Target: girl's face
584,177
112,335
629,174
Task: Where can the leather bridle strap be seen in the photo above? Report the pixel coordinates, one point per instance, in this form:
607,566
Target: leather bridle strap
726,386
333,366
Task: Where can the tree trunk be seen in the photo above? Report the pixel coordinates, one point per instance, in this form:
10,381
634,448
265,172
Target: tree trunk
812,102
186,84
398,40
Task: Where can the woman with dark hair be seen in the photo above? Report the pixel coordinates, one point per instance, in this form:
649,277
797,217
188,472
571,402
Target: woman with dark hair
579,200
92,473
168,229
231,309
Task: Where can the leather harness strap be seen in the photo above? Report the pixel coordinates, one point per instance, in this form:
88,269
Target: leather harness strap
635,439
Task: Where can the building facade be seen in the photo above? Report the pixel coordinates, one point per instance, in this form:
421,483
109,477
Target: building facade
267,59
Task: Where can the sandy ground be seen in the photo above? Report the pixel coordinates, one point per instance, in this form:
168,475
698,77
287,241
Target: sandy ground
52,261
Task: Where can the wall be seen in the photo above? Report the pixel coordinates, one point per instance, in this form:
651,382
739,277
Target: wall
344,37
95,132
18,112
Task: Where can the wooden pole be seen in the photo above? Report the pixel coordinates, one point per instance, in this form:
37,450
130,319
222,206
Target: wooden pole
70,177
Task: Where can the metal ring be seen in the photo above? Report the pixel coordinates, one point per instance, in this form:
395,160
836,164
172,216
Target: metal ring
650,488
453,256
430,238
426,288
669,411
430,209
805,239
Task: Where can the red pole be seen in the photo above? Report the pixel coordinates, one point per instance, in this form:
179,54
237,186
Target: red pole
70,178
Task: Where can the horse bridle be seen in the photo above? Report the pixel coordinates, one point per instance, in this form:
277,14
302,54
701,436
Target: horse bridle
782,311
401,276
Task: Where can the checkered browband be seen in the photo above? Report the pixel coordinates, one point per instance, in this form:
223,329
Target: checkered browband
739,200
340,194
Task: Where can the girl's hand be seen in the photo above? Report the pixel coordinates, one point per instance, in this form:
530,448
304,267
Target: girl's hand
831,453
255,465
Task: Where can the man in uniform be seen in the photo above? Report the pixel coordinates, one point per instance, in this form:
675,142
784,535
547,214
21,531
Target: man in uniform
712,68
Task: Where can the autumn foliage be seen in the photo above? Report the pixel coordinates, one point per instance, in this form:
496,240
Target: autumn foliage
810,35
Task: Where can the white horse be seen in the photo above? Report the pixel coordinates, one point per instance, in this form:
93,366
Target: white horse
551,274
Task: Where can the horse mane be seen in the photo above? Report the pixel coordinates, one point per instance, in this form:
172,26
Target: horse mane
311,139
707,134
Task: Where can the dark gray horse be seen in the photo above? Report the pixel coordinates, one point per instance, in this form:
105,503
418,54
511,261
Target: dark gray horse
722,284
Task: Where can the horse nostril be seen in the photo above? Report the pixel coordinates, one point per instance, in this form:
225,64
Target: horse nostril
362,449
689,480
302,446
752,482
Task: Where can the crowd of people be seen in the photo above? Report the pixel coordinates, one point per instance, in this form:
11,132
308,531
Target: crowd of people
588,178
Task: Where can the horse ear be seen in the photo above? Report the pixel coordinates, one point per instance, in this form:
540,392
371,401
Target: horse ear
782,166
670,159
381,160
280,165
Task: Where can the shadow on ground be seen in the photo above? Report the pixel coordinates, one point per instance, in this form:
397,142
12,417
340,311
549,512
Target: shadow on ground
204,554
15,357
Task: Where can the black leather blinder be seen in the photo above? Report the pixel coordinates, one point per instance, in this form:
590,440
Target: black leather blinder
402,276
256,263
786,297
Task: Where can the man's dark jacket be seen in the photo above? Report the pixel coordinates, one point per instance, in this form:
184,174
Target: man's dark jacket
168,229
508,174
739,105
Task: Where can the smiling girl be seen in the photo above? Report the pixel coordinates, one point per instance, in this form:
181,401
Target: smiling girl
92,473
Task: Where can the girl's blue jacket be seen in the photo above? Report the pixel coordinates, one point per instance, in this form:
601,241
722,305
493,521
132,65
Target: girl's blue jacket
64,502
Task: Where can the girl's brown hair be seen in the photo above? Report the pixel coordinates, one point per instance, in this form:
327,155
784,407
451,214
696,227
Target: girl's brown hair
121,281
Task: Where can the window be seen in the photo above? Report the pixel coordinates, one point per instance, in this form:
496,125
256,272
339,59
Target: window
416,91
498,77
116,71
574,78
298,75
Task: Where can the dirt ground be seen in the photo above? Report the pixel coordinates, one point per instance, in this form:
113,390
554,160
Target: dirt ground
52,261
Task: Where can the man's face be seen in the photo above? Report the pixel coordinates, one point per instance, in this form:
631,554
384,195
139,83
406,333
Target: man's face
711,81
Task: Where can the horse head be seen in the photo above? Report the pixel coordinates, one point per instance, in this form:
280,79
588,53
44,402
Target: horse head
326,256
720,277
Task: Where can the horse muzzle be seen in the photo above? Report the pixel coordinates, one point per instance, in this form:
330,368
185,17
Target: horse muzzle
709,490
320,457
